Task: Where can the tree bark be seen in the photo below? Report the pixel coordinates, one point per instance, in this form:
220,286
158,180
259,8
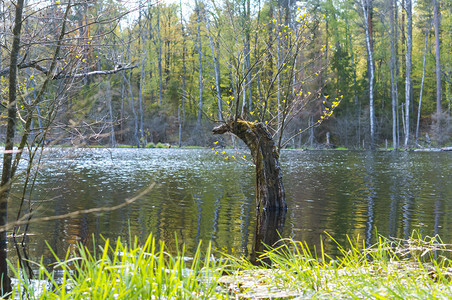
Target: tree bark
422,83
438,57
270,193
278,66
355,90
159,51
393,77
366,5
140,99
408,81
9,145
184,69
132,107
121,118
248,55
217,72
110,111
200,103
438,72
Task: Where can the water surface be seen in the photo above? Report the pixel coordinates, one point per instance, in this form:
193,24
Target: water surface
200,195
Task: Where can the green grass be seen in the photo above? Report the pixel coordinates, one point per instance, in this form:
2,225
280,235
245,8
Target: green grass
116,271
403,269
193,147
413,269
160,145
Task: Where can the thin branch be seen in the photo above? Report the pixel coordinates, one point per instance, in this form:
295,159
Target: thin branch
74,214
37,66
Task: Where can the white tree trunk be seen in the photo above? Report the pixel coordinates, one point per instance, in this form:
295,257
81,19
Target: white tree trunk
438,57
200,103
110,111
422,83
408,81
393,79
365,5
217,72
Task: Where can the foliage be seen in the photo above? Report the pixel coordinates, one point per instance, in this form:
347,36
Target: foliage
121,271
413,268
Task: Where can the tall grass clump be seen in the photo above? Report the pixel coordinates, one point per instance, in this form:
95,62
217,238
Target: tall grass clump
119,271
416,268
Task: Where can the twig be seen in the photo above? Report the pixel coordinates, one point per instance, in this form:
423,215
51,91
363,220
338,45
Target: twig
25,218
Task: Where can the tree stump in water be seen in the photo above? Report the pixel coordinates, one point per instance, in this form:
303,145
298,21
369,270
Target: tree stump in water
270,193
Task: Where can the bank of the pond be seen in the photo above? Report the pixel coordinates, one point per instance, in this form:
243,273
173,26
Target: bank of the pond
414,268
320,148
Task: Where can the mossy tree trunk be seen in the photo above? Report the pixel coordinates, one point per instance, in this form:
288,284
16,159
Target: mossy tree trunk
270,193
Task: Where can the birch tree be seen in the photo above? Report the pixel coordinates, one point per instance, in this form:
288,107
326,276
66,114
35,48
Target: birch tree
216,66
439,117
408,80
366,7
199,46
159,58
422,82
438,56
393,70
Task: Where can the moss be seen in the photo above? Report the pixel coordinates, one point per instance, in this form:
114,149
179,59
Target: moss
247,123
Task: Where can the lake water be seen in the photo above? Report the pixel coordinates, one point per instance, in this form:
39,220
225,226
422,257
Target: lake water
200,195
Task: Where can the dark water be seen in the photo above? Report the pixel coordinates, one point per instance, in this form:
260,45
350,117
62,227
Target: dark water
199,195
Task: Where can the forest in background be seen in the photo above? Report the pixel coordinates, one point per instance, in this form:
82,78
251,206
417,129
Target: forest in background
154,72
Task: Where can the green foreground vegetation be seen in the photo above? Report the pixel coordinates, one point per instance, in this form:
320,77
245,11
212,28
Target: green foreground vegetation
409,269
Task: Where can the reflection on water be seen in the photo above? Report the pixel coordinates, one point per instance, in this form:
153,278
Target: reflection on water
202,196
269,226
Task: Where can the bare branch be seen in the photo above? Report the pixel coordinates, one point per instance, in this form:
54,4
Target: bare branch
105,72
35,65
25,218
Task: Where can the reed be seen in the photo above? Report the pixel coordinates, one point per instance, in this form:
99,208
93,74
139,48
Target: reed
416,268
119,271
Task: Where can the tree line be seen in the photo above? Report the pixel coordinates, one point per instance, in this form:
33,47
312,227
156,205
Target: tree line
161,72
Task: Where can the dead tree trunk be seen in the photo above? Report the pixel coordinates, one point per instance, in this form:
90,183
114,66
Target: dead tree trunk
270,193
